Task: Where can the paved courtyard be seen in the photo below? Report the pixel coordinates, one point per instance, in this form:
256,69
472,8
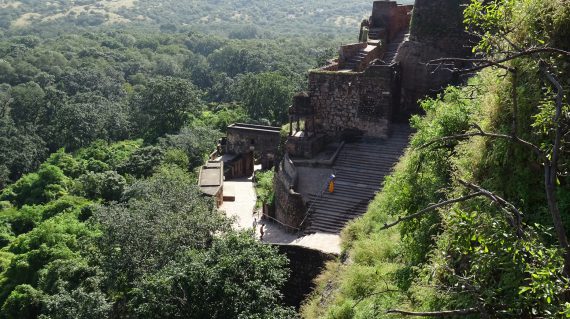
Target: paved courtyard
243,210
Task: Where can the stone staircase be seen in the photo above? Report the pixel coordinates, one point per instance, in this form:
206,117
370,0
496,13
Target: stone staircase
374,33
360,169
355,60
392,48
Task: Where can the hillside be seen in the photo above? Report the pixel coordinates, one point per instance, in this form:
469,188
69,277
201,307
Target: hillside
251,18
474,220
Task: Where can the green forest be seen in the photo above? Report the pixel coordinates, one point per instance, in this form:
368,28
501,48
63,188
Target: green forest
102,130
108,109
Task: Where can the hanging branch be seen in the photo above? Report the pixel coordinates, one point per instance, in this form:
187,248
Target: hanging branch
485,63
551,170
435,314
431,208
480,132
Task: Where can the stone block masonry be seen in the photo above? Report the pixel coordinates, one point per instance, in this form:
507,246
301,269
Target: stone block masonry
361,101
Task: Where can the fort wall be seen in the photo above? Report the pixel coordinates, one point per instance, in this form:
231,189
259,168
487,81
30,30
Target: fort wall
436,31
290,208
361,101
305,265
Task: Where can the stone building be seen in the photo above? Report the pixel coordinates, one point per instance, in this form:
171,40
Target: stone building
346,123
372,85
245,142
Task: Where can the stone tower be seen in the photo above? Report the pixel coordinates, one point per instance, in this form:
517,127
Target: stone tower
436,31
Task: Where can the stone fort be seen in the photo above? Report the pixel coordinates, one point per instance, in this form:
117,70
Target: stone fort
351,120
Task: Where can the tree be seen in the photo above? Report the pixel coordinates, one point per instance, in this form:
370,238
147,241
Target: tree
196,142
238,277
158,219
265,96
26,101
163,107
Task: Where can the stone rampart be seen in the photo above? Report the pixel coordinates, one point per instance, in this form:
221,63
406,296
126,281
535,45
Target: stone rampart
361,101
290,208
305,265
431,37
350,50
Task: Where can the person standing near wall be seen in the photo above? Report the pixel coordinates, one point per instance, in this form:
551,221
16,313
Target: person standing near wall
254,226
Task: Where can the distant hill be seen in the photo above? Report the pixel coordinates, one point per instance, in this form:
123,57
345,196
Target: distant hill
238,18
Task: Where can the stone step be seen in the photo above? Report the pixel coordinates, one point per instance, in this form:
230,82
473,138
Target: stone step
360,169
345,202
341,212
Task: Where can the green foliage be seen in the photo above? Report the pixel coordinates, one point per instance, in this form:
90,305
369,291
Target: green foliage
161,217
58,238
264,187
75,290
108,185
208,280
73,90
143,161
196,142
266,96
48,183
164,105
220,116
23,302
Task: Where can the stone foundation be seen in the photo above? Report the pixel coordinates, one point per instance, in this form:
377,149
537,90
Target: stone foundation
305,265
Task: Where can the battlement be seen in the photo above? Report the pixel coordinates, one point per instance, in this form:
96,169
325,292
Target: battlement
358,91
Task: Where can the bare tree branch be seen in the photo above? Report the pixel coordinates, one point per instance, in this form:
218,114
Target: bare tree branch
431,208
551,171
517,222
480,132
435,314
498,63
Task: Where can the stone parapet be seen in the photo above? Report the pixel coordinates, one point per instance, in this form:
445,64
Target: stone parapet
306,147
290,208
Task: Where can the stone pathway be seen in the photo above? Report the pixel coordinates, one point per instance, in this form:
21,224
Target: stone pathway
242,209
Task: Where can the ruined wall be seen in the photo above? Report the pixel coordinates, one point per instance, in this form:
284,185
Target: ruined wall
354,101
305,265
439,23
306,147
350,50
436,31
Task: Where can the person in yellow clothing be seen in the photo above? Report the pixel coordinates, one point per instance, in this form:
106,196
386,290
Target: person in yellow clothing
332,179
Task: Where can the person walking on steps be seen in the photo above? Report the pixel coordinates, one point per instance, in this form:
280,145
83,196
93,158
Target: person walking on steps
332,180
